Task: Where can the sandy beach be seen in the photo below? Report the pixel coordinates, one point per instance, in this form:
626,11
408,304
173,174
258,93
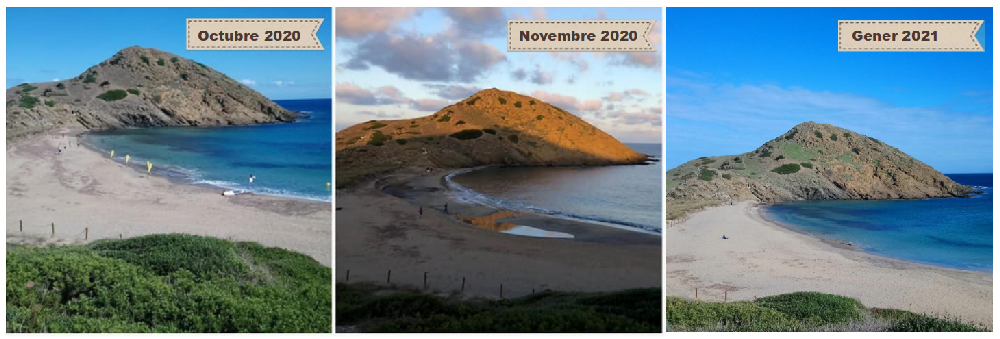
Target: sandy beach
379,228
761,258
87,195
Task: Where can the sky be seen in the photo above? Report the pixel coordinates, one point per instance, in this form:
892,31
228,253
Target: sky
738,77
47,44
402,63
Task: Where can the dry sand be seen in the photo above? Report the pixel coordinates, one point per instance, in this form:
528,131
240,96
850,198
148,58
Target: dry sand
378,232
761,258
80,188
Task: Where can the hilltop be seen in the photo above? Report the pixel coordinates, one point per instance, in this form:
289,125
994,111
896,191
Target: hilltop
811,162
491,127
138,87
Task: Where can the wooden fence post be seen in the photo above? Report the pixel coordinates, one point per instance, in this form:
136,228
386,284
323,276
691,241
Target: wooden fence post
388,277
348,275
53,229
695,293
501,291
725,297
22,225
425,280
86,233
463,284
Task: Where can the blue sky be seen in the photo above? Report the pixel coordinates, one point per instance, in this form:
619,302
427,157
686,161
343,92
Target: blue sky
401,63
60,43
738,77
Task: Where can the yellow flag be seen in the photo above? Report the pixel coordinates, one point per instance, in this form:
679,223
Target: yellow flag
126,159
149,167
327,186
112,154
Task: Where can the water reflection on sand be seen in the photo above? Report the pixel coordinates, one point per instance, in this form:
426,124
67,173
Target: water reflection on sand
492,222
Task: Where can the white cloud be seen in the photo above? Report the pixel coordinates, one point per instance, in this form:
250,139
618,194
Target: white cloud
249,82
282,83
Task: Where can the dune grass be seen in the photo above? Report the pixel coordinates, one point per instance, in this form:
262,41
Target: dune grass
801,311
166,283
369,308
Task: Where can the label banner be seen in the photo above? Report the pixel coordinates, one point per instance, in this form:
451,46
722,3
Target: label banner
579,36
253,34
908,36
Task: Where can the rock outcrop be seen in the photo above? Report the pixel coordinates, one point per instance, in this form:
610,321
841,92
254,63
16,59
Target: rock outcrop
138,87
811,162
492,127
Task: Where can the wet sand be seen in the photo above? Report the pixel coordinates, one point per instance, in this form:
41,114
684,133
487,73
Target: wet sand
762,258
88,195
379,228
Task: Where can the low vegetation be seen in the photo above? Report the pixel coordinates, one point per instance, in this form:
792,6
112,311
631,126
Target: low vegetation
378,139
833,137
374,125
25,88
368,308
539,117
502,101
706,174
787,169
490,131
807,165
160,62
445,118
531,102
105,83
819,134
472,101
512,138
166,283
184,76
145,59
460,122
50,103
467,134
28,101
800,311
113,95
401,141
133,91
517,104
90,78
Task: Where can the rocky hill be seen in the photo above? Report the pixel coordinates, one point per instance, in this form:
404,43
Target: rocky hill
811,162
492,127
138,87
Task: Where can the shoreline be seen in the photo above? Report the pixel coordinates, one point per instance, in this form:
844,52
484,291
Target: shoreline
762,258
847,245
449,184
180,179
84,194
382,238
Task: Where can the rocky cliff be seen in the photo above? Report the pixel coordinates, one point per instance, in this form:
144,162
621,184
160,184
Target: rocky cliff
811,162
138,87
492,127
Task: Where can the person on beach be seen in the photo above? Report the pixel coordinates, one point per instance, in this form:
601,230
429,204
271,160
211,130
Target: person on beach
251,178
445,208
421,211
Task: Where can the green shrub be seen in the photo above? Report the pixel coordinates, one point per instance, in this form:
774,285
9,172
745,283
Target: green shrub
467,134
401,141
25,88
90,78
856,150
116,60
833,137
460,122
160,62
706,161
184,76
378,139
766,153
173,60
737,160
727,176
512,138
791,134
353,140
50,103
374,125
144,285
847,135
807,165
145,59
531,143
472,102
779,157
502,101
531,102
490,130
539,117
445,118
133,91
819,135
706,174
815,308
105,83
28,101
547,311
517,104
60,86
113,95
787,169
201,64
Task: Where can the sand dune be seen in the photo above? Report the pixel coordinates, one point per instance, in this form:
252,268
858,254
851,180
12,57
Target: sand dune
79,189
761,258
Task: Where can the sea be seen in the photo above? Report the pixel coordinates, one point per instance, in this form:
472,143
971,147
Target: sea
289,160
627,197
953,233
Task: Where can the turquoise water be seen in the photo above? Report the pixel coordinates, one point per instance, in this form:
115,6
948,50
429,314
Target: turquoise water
953,233
292,159
627,196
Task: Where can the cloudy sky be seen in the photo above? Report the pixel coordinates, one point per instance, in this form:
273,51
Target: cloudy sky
730,93
401,63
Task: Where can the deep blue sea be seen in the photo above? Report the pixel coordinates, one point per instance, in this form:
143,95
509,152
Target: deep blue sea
628,197
953,233
292,159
